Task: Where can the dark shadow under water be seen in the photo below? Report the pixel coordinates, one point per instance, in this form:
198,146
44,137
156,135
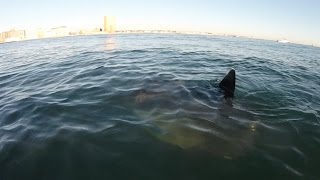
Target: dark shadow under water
141,107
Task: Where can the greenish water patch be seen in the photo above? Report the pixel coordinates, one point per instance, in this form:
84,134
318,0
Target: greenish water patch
148,107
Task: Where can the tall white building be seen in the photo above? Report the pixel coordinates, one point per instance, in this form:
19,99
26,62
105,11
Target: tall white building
109,24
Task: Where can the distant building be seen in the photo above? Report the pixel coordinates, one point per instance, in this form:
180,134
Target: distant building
13,35
109,24
40,33
57,32
35,33
1,38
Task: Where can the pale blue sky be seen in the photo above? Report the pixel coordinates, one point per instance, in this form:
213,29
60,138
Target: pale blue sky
295,20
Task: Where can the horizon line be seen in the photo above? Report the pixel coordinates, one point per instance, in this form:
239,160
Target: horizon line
160,31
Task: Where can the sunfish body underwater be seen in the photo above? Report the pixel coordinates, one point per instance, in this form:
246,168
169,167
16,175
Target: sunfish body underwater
194,115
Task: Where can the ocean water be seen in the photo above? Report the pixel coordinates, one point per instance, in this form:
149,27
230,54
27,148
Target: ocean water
148,106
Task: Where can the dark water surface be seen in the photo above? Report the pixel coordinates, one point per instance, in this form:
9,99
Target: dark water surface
148,107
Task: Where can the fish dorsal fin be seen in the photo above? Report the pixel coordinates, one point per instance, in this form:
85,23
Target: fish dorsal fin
228,83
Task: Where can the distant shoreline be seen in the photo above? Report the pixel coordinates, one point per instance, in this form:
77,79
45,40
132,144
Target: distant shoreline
161,32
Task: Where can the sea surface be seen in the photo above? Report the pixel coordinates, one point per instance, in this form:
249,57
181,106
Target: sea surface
148,106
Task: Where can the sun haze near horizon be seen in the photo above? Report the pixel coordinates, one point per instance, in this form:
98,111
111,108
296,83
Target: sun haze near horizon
294,20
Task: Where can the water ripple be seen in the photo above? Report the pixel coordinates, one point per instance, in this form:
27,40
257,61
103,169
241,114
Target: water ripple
151,103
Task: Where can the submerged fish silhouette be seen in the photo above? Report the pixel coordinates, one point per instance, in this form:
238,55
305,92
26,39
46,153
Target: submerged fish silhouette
193,115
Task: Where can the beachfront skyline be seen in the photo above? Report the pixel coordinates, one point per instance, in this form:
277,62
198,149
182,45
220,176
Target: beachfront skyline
294,20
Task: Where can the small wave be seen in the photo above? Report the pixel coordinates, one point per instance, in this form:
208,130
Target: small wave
77,102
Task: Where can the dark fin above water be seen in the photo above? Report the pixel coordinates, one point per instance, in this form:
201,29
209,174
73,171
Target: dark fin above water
228,84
